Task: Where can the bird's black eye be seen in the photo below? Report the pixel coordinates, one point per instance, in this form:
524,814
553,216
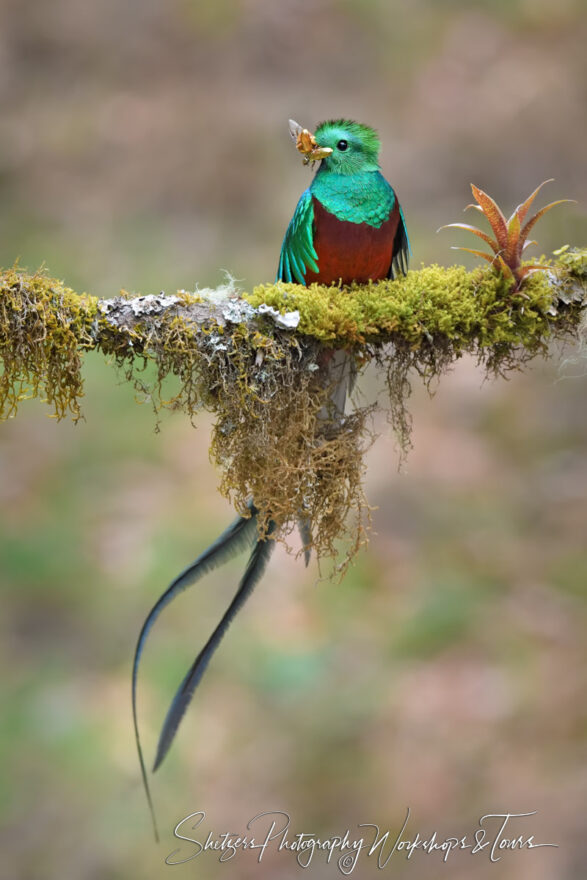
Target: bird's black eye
342,146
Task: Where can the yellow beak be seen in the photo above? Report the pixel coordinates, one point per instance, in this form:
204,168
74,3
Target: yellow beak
306,143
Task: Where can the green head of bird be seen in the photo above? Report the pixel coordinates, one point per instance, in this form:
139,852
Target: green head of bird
341,145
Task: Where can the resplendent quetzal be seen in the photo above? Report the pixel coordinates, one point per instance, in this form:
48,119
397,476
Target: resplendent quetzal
348,226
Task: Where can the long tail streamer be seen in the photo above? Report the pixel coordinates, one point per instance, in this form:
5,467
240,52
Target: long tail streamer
254,571
238,536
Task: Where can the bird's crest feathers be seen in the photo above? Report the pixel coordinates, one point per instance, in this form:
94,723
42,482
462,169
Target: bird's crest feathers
364,133
354,147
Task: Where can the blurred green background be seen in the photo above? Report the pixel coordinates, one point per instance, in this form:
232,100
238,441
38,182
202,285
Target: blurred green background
144,145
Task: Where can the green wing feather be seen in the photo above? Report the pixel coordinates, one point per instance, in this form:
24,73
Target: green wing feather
297,251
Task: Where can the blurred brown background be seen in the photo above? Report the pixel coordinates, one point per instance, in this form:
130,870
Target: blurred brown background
144,145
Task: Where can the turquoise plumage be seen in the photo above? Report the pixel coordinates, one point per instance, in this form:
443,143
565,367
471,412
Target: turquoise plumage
297,251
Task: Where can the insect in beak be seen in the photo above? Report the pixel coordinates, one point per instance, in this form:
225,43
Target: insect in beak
306,143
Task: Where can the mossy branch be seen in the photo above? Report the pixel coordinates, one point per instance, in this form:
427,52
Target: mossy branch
254,360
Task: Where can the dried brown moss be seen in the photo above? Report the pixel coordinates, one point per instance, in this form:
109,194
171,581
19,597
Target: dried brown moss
268,440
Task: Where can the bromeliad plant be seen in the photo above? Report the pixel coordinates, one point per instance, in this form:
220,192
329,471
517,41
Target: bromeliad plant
510,236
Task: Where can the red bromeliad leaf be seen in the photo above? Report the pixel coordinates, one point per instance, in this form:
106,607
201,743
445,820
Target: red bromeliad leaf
524,271
485,256
487,238
506,270
493,214
523,209
540,214
513,249
510,236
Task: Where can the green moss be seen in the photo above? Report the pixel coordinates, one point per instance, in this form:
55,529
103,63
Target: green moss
463,307
44,327
574,260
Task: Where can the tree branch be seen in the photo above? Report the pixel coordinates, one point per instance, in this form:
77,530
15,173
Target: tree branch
254,360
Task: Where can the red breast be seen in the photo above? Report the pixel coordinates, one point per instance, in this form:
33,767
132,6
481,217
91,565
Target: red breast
351,251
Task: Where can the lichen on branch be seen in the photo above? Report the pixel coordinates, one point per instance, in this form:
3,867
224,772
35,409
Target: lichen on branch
253,360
